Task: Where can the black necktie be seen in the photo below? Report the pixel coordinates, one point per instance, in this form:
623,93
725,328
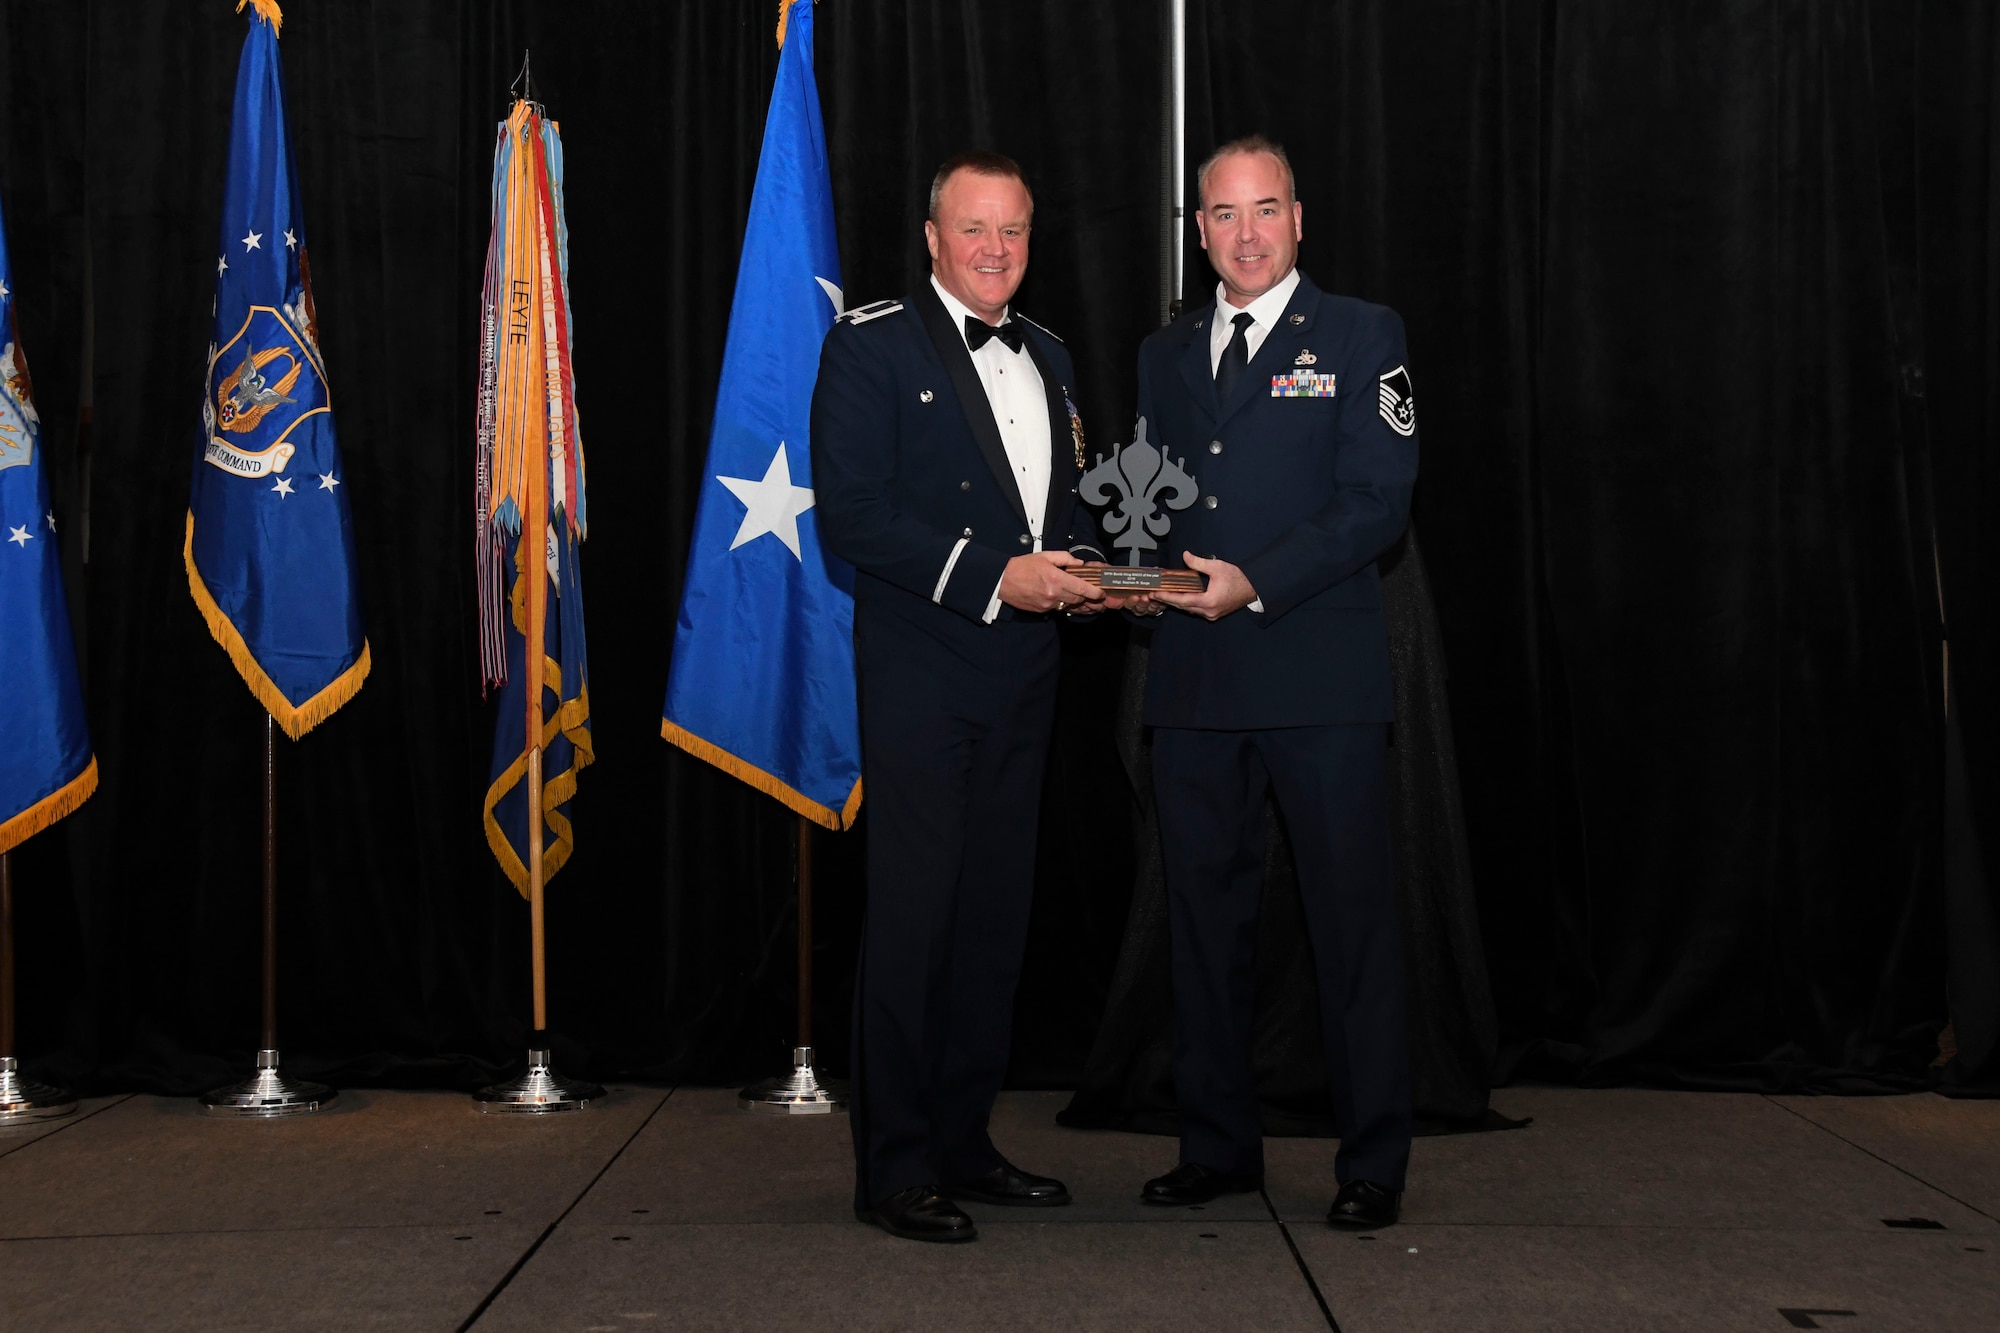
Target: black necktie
1235,357
978,331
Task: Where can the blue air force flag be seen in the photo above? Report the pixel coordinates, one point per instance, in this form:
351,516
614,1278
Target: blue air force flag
46,766
762,682
270,548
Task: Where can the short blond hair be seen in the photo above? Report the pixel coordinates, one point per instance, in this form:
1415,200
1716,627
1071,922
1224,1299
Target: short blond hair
1249,143
978,163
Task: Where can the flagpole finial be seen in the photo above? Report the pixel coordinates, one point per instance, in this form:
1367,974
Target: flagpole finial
268,10
523,86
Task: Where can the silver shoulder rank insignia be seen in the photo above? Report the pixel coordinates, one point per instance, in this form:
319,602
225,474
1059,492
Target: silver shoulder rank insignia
862,314
924,396
1306,358
1298,319
1043,327
1399,401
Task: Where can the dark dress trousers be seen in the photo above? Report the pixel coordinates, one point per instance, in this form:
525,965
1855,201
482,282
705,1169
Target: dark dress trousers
1302,489
913,487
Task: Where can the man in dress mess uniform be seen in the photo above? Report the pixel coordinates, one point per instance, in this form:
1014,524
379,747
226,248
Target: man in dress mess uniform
946,450
1293,410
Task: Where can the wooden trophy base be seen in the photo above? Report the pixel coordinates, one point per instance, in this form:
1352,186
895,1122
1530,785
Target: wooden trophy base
1141,578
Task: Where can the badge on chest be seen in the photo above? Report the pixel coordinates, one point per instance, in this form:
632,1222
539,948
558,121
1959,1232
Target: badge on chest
1302,384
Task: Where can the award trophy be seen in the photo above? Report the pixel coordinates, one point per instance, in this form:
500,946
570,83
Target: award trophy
1144,481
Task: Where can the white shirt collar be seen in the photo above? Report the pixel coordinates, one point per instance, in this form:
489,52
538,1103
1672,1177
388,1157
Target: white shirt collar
960,311
1265,309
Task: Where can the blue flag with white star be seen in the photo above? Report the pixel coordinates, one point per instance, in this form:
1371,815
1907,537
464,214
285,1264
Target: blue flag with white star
270,547
762,681
46,765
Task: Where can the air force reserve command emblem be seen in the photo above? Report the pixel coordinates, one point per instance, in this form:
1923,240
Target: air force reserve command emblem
262,384
1399,401
18,421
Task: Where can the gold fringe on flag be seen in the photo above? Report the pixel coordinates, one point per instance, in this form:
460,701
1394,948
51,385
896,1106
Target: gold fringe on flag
294,721
64,800
571,719
823,815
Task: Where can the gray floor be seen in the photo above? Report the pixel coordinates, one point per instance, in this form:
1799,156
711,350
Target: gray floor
673,1210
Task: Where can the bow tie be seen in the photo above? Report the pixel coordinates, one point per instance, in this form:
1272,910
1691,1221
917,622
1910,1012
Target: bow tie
978,331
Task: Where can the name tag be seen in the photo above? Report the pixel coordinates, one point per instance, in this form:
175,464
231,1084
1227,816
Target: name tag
1303,384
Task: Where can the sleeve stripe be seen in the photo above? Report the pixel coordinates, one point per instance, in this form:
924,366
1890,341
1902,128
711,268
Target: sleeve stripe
937,594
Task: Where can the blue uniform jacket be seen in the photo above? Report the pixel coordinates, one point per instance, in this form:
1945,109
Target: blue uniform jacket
910,476
1300,489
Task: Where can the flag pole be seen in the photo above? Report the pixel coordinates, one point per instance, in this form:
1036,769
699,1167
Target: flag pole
534,523
270,1042
537,935
801,1092
541,1089
21,1099
268,1094
805,935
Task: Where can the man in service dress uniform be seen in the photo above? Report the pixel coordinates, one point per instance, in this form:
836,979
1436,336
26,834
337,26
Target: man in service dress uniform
945,452
1293,410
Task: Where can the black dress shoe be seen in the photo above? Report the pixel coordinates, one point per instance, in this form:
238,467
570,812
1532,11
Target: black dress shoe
920,1212
1191,1182
1362,1205
1009,1185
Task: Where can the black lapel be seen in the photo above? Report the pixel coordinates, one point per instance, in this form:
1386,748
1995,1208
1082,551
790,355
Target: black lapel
1195,367
972,400
1062,451
1280,346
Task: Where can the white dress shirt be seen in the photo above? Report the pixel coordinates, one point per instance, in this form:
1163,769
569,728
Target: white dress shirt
1265,312
1020,406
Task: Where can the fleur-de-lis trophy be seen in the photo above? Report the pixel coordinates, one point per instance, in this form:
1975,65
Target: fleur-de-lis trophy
1144,481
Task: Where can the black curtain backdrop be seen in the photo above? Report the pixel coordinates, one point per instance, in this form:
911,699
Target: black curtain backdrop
1692,292
1656,269
1957,163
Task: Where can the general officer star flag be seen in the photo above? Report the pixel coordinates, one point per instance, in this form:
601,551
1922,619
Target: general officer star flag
762,682
270,547
528,510
46,766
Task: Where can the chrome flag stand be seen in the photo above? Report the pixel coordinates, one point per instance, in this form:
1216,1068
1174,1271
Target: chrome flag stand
268,1094
800,1092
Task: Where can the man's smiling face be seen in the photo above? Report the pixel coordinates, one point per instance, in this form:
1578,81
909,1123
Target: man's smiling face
979,240
1250,224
